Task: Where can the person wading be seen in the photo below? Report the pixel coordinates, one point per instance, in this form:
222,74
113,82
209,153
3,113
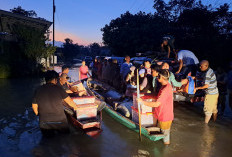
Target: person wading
48,105
163,105
83,72
210,87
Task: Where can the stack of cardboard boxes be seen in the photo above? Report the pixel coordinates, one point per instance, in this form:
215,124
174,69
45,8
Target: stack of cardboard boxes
147,113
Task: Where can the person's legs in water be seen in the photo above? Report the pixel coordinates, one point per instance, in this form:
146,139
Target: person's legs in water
207,117
165,129
166,138
210,107
49,129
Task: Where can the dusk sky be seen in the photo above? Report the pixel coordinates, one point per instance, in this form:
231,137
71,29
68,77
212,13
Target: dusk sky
81,20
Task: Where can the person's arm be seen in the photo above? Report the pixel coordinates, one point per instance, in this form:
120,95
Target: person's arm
128,77
68,91
175,53
144,84
70,102
35,108
169,51
149,103
203,87
184,81
180,66
173,81
79,75
162,47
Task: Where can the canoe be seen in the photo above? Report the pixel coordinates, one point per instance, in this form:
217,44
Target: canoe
88,125
152,133
91,127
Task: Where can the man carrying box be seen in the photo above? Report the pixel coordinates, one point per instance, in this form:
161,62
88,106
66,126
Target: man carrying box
48,104
163,105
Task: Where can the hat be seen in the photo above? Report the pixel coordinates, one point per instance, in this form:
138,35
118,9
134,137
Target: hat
132,68
142,71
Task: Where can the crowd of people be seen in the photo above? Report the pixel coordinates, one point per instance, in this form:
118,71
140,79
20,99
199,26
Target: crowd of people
157,79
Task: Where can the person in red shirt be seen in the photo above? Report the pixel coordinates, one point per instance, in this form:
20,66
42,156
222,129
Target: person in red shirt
163,111
83,72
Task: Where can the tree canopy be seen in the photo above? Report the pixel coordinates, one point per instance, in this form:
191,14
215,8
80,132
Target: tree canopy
19,10
205,30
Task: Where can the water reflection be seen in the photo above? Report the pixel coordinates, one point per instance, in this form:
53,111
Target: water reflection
207,141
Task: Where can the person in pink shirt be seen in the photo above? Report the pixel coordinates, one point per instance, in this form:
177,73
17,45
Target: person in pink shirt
163,111
83,72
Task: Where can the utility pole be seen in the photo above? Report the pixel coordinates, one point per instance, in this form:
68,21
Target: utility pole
53,31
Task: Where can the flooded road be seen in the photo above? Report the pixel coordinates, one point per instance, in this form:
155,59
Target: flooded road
190,137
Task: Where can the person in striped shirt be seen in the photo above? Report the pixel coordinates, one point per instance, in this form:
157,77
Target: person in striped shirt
211,91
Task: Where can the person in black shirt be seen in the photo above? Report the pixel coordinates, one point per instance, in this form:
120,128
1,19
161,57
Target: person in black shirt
48,105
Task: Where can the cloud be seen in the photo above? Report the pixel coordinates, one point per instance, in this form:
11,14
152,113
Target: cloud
60,36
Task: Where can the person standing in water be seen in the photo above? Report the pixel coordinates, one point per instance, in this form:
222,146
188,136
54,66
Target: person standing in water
48,105
163,111
83,72
210,87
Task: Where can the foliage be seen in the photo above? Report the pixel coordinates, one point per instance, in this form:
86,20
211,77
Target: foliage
132,34
19,10
49,50
4,70
205,30
32,42
70,50
95,49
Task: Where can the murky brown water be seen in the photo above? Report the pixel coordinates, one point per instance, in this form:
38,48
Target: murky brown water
190,137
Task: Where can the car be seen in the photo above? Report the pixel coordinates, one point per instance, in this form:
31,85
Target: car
137,61
77,62
88,58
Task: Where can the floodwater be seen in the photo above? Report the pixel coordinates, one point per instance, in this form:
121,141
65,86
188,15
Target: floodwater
190,137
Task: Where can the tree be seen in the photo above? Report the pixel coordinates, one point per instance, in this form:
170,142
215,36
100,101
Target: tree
31,41
131,34
95,49
200,28
19,10
70,50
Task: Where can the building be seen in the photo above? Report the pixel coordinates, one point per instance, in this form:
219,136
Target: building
9,19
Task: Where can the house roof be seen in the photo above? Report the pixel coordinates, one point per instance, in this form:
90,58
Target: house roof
40,21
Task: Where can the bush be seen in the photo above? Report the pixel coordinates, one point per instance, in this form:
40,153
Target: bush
4,71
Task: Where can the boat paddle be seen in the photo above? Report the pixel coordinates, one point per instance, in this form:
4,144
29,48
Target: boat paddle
138,96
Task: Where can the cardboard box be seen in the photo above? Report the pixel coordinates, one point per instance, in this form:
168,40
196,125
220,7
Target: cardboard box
147,119
84,100
146,97
86,111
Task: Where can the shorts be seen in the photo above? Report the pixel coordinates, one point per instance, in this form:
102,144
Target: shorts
210,104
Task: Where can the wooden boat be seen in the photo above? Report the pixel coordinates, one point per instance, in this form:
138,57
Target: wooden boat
89,125
152,133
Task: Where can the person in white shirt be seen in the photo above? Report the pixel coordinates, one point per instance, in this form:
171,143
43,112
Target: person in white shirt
188,62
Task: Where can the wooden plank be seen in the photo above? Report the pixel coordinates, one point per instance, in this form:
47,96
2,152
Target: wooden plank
152,129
